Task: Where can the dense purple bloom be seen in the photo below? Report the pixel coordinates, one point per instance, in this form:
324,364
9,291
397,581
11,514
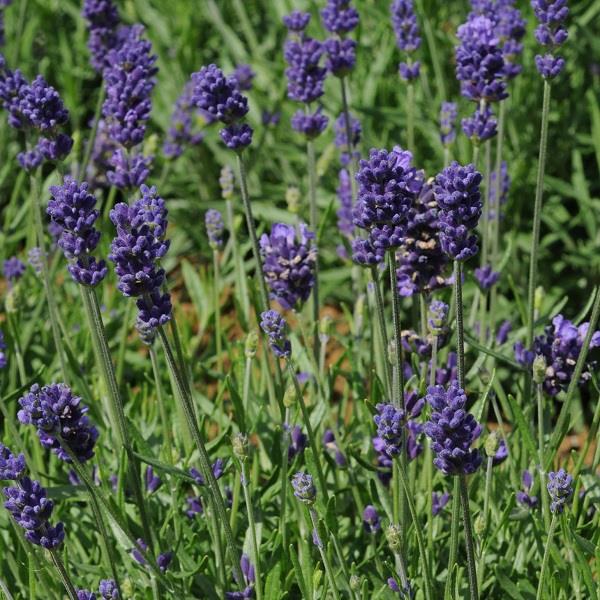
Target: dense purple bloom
311,125
128,170
103,20
289,258
339,17
11,467
298,441
274,326
164,560
388,188
409,71
344,212
129,80
404,22
421,260
296,21
551,33
481,125
448,116
365,254
153,481
181,130
85,595
560,345
438,501
486,277
330,443
523,496
452,430
479,61
243,74
214,228
305,75
370,519
108,590
72,207
456,191
13,268
304,488
218,95
341,56
560,488
237,136
31,509
139,245
59,417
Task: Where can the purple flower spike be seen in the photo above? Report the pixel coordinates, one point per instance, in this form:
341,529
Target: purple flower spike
296,21
330,443
371,520
551,15
339,17
244,76
486,278
153,481
11,467
298,441
448,116
409,71
13,269
218,469
341,56
274,326
164,560
214,228
103,20
136,250
310,125
452,430
237,136
560,488
438,502
305,75
523,496
31,509
249,577
289,256
72,208
481,126
108,589
404,22
85,595
456,190
59,416
304,488
390,423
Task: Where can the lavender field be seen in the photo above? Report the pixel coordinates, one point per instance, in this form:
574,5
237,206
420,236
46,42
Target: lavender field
299,299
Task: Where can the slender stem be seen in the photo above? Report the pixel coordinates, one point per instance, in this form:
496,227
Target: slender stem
216,534
17,347
464,497
313,219
116,413
542,468
410,117
446,156
460,336
537,215
91,142
382,330
241,286
486,205
324,557
434,352
262,286
347,124
187,405
125,329
309,430
401,569
284,479
64,576
399,396
36,193
252,527
486,505
217,310
540,589
453,540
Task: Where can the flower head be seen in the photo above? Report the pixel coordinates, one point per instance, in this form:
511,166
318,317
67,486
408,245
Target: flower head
11,467
560,488
437,318
108,589
13,269
341,56
371,520
523,496
551,15
289,256
103,21
480,126
296,21
404,22
448,115
304,74
311,125
452,430
438,501
274,326
243,74
486,277
339,16
214,228
304,488
390,422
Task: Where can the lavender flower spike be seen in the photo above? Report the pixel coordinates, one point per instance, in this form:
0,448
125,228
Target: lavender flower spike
214,228
13,269
289,256
72,207
452,431
448,115
339,17
274,326
304,488
560,488
103,20
390,422
11,467
108,590
551,33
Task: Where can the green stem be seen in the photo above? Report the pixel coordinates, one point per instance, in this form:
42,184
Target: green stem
309,430
117,413
185,399
382,330
62,572
486,505
313,219
486,205
17,348
464,497
410,117
460,335
540,415
36,193
324,557
217,310
537,215
540,589
284,479
90,146
125,328
399,392
453,540
241,286
252,527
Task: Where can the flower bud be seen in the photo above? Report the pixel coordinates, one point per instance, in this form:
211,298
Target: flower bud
251,344
539,369
239,443
226,181
292,197
355,582
289,398
479,525
492,444
393,535
13,298
325,325
391,352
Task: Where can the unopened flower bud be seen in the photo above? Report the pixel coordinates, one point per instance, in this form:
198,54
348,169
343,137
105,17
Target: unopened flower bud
289,398
393,535
13,298
292,197
355,582
226,181
239,442
325,325
539,369
492,444
479,525
251,344
538,299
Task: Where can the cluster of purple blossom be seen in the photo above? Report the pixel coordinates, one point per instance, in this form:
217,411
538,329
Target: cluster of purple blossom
408,39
